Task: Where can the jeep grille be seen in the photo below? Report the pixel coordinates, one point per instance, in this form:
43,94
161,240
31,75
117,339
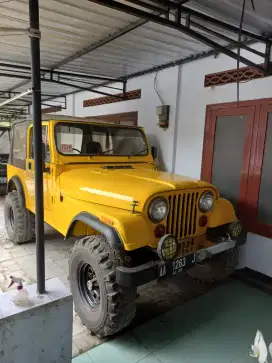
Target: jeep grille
182,217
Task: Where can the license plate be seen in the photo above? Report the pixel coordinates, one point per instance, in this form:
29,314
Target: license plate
174,267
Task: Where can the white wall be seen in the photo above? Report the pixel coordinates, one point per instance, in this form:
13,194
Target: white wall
4,143
146,107
183,89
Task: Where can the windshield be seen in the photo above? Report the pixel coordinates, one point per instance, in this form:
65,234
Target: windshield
90,139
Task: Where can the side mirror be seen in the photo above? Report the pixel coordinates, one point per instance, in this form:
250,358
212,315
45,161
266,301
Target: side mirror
154,152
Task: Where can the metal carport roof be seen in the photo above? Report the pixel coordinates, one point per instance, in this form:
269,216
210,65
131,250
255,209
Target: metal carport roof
101,44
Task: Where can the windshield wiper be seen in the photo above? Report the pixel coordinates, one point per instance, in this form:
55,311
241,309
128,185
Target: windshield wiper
107,151
139,152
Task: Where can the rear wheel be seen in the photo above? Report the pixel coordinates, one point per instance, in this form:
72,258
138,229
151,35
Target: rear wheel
20,223
103,306
219,268
3,188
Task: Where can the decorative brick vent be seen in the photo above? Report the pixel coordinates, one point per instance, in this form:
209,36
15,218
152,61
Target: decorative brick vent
51,109
230,76
131,95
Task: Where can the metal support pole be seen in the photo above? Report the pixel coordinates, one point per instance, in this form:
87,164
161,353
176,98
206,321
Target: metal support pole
37,132
178,15
187,20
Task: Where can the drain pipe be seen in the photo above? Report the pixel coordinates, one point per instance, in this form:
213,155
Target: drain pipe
34,34
176,122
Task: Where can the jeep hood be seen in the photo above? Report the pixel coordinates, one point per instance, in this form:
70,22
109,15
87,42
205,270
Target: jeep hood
119,187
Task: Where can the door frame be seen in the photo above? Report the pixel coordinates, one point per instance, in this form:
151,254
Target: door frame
252,158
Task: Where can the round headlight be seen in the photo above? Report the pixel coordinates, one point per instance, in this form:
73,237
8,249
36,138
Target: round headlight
158,209
206,202
167,247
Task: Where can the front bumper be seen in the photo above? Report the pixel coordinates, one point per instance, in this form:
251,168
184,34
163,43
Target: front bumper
141,275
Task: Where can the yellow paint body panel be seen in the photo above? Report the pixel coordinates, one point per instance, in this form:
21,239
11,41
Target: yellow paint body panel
223,213
78,184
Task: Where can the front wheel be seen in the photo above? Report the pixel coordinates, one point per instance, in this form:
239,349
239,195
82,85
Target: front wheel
3,188
103,306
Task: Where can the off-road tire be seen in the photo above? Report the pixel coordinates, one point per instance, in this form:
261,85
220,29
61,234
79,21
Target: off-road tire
117,304
3,188
22,228
220,268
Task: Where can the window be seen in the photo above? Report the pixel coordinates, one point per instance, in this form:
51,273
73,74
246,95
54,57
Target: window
90,139
237,158
18,144
45,142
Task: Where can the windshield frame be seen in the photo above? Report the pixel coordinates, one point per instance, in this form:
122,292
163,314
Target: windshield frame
104,154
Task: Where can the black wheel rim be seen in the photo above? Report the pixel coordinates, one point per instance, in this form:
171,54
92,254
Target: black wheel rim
11,217
89,286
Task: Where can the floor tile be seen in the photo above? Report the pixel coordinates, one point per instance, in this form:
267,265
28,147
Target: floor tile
228,334
5,255
7,263
75,350
58,255
182,320
18,252
124,349
192,349
30,248
78,328
85,341
150,359
64,264
84,358
64,278
56,289
244,358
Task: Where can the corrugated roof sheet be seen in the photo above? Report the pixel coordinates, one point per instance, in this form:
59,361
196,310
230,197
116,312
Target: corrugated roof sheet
68,26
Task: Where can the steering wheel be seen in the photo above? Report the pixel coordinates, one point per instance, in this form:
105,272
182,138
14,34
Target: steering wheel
76,150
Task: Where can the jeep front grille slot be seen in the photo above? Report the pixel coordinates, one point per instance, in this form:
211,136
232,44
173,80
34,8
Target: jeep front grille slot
181,220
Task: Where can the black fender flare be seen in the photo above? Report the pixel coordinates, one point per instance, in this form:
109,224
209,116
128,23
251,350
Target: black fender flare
19,187
109,232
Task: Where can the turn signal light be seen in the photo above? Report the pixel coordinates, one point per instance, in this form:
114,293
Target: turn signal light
159,231
203,221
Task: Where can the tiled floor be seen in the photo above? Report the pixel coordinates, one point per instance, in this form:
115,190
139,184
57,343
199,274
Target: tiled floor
21,261
218,327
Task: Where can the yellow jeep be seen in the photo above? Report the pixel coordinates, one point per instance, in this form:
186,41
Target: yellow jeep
134,224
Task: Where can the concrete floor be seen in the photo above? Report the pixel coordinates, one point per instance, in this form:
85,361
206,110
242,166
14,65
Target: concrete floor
21,261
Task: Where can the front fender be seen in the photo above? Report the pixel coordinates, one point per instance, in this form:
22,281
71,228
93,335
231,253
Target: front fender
92,221
15,183
223,213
